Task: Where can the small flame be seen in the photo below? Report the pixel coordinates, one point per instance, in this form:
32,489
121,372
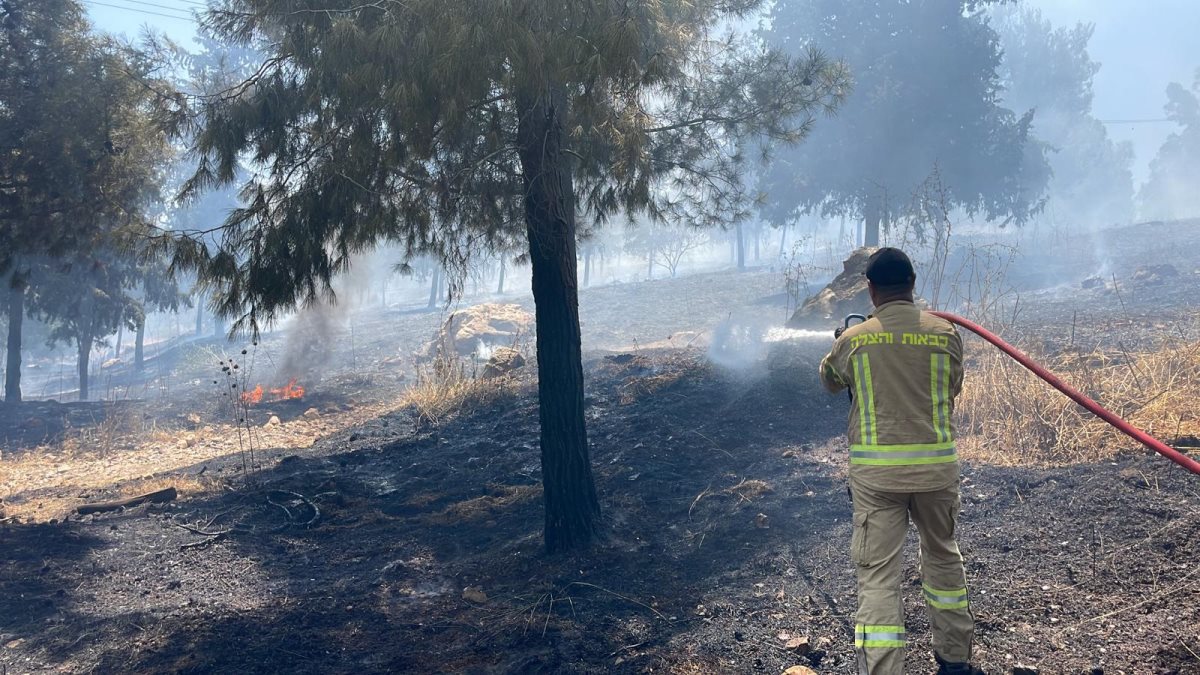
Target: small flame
292,390
289,391
254,396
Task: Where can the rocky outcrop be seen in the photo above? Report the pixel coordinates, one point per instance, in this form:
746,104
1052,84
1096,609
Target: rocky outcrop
846,294
477,331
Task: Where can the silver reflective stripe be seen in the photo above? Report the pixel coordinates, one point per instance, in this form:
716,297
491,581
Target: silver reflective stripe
908,454
947,599
879,636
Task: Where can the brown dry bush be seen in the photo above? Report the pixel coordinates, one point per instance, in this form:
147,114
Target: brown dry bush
446,385
1008,416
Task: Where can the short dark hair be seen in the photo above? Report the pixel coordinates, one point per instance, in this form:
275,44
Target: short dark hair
890,268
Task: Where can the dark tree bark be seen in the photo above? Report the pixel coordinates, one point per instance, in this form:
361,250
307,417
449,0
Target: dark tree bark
435,287
871,219
741,248
85,354
16,317
572,509
139,347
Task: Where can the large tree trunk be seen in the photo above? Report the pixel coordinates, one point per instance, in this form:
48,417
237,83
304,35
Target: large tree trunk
435,287
871,217
139,346
199,317
120,336
16,317
85,353
500,285
572,509
741,249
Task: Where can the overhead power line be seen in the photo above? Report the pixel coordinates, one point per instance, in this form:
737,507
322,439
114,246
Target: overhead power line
135,10
1145,121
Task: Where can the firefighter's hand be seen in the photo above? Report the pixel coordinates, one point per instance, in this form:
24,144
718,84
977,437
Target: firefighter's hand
837,332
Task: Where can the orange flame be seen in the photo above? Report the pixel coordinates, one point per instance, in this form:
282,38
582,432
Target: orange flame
254,396
289,391
292,390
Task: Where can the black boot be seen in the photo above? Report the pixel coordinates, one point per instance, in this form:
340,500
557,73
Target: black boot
947,668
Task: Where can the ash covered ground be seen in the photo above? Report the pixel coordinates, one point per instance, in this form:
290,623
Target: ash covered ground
369,540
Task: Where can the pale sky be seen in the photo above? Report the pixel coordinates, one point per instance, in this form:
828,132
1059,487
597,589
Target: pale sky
1142,45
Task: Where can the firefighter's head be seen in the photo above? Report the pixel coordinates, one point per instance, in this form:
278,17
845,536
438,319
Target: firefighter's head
890,276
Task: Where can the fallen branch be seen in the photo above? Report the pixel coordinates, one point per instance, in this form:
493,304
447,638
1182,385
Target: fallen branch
316,512
157,497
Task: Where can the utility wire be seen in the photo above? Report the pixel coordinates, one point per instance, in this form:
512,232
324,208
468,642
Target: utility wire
157,6
178,17
1146,121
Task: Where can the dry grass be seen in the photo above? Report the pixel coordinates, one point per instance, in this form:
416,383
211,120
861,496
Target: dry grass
1008,416
749,490
479,508
447,385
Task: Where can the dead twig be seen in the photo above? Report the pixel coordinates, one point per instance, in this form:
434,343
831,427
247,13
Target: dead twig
316,512
157,497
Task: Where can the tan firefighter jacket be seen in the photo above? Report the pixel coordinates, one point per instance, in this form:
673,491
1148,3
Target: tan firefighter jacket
903,367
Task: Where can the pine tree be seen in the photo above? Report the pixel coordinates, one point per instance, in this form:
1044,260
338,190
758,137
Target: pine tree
926,98
451,126
80,146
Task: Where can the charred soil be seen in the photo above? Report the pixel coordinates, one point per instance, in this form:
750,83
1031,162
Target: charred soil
389,544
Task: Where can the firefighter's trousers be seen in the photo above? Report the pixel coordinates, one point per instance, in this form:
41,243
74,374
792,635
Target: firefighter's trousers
880,526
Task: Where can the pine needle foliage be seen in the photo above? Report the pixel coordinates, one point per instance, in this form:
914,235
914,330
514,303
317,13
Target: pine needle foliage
454,127
397,121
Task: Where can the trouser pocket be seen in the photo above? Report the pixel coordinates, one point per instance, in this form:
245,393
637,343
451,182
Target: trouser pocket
859,549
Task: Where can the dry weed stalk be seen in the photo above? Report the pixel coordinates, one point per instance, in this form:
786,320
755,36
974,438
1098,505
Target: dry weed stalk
1009,416
446,385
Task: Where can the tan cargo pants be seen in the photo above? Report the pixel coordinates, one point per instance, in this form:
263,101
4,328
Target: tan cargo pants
880,526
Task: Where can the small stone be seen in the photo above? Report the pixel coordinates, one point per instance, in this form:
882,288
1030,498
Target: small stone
798,645
799,670
474,594
312,413
273,422
15,643
761,521
1024,670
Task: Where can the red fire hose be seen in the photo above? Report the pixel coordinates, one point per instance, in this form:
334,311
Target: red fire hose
1077,396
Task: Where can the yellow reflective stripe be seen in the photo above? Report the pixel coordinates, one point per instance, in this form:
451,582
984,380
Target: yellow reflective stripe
860,400
879,636
903,455
901,461
945,397
934,382
912,447
955,599
866,361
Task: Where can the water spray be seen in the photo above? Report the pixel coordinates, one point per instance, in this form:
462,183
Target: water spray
1074,394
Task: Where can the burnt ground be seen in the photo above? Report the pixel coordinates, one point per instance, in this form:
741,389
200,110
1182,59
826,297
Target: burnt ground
393,546
1076,568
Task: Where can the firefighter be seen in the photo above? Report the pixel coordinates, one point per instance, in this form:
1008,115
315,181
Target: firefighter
903,367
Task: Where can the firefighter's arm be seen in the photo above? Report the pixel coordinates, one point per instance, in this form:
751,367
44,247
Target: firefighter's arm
832,376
